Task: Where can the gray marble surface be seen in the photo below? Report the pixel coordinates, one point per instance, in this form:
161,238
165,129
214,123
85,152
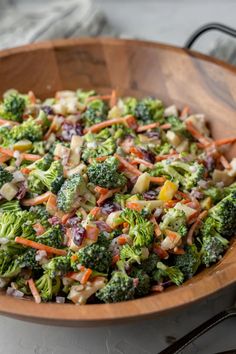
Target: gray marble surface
167,21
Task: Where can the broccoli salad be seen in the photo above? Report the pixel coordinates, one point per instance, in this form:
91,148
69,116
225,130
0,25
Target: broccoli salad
106,199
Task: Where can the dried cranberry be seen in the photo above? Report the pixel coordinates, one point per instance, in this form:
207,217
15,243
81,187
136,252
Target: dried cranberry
102,226
54,220
69,129
47,109
73,221
21,190
109,207
78,234
210,163
150,195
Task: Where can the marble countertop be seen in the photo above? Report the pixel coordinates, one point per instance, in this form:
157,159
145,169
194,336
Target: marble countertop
167,21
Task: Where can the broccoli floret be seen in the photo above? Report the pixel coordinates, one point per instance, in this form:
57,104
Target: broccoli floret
212,248
188,262
43,120
11,224
178,126
163,149
144,283
38,148
149,110
47,286
230,189
103,148
6,139
13,206
28,260
9,266
35,186
53,237
224,215
130,254
96,257
83,95
149,265
140,230
164,272
129,105
216,194
105,174
42,164
96,112
5,176
74,193
58,266
27,130
121,199
119,288
41,215
175,220
13,107
51,178
192,173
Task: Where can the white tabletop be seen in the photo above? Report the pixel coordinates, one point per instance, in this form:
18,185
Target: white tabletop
167,21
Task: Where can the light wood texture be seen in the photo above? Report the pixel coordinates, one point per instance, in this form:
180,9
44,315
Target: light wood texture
138,68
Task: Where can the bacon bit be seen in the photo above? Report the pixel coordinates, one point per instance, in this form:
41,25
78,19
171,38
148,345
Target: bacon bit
122,240
158,180
132,123
134,206
165,126
196,134
92,232
113,99
143,128
167,156
115,259
86,276
185,112
105,193
98,97
32,97
39,228
163,254
138,161
157,288
128,165
194,227
157,229
193,216
34,291
40,246
225,163
9,122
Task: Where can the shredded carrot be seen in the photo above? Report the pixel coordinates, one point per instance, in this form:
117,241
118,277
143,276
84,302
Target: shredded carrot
32,97
95,212
138,161
34,291
134,206
39,246
101,158
224,162
39,228
185,111
86,276
166,156
183,195
99,97
4,158
136,151
157,288
9,122
113,98
128,165
92,232
172,235
196,134
194,227
107,123
157,180
143,128
74,257
115,259
37,200
66,217
165,126
29,157
157,229
170,203
221,142
122,240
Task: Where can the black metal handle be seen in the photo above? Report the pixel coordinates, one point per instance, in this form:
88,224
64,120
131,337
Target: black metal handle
183,342
208,27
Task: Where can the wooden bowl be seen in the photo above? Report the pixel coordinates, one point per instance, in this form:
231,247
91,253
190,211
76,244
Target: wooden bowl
138,68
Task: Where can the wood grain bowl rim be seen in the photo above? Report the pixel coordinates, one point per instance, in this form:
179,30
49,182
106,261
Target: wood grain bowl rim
202,285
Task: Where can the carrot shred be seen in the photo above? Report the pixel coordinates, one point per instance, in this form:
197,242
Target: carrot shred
37,200
177,250
92,232
98,97
25,170
166,156
101,158
39,228
185,111
196,134
136,151
32,97
95,212
66,217
172,234
157,229
113,98
86,276
128,165
34,291
40,246
4,158
157,180
107,123
165,126
194,227
224,162
138,161
9,122
28,157
143,128
74,257
134,206
221,142
122,240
